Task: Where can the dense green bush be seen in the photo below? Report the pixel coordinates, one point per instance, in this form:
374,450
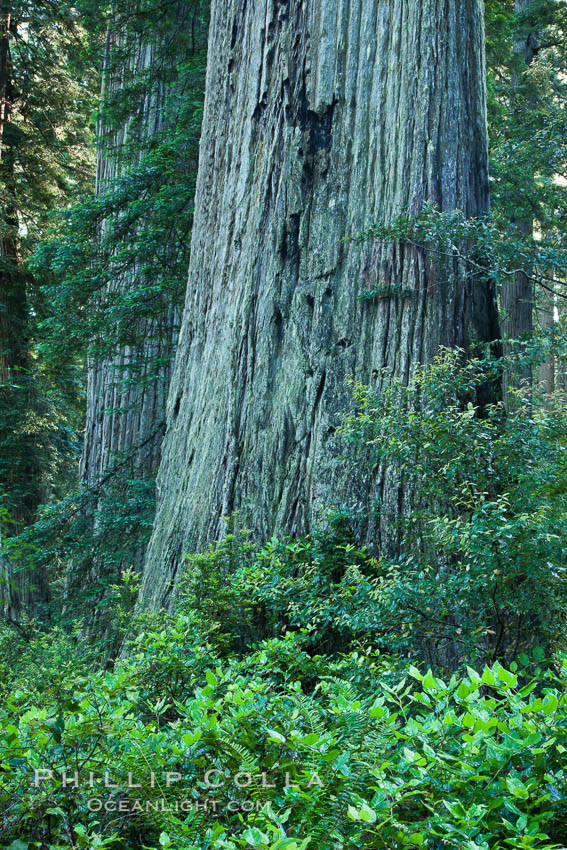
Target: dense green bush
480,567
347,752
483,536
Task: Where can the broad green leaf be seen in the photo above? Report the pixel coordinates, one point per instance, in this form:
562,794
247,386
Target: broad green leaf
211,678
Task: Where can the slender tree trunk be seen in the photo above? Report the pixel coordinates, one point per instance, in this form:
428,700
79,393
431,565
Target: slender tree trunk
22,586
547,307
517,296
319,119
6,84
560,368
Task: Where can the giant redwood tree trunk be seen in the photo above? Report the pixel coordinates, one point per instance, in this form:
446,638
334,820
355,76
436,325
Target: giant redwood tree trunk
319,118
126,390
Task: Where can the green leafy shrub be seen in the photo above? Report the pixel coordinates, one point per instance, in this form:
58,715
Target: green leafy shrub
253,592
353,752
480,567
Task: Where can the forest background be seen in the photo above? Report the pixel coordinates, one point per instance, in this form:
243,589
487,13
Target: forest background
347,648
